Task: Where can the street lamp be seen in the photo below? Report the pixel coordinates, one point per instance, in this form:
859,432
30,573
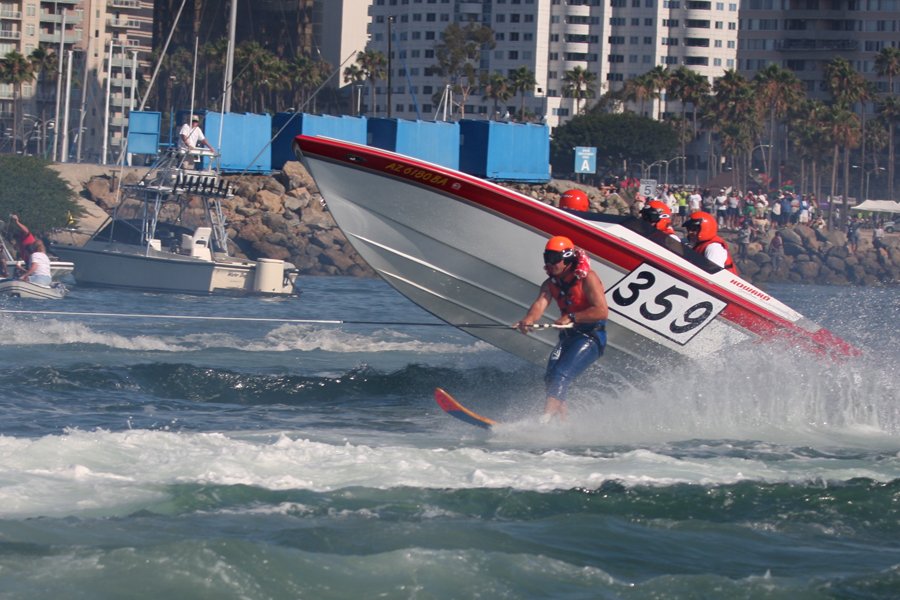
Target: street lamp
868,174
765,166
677,158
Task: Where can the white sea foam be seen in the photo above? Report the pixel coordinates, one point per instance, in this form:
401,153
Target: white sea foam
282,338
104,473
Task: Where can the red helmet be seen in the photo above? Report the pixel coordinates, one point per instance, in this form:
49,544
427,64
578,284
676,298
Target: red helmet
656,211
574,200
559,248
704,224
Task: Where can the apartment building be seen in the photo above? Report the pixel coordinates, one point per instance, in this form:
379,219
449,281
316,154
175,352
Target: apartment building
614,40
804,35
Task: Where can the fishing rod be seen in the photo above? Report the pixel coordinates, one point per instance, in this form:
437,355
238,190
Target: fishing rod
60,313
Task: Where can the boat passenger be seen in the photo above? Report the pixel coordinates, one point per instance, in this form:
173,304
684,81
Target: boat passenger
575,200
579,294
658,214
703,236
190,137
23,239
38,266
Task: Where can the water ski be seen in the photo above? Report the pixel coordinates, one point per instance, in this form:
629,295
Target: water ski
453,408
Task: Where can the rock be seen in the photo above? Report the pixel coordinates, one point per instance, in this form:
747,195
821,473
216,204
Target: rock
268,200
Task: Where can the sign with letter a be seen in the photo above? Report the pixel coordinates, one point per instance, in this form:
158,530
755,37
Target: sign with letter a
585,159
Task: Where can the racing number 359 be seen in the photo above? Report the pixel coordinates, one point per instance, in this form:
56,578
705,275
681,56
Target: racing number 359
664,304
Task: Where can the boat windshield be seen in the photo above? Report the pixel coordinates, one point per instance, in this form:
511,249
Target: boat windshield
647,230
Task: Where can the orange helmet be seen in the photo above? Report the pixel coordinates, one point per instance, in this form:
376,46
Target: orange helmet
656,211
704,224
559,248
574,200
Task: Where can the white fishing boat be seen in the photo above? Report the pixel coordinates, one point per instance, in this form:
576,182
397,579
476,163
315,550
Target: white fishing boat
167,233
27,289
469,251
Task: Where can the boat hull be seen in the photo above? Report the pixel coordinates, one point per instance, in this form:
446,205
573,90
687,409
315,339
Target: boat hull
469,251
120,265
27,289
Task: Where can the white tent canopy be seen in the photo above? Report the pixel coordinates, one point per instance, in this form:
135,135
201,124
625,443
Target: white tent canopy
888,206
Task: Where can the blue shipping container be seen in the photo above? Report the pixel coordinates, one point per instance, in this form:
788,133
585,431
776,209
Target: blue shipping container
434,141
505,151
287,126
243,142
143,132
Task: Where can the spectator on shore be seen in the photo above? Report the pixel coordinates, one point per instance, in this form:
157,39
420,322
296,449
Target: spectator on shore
776,250
853,235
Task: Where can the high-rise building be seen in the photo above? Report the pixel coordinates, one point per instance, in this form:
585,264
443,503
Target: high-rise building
83,109
804,35
613,41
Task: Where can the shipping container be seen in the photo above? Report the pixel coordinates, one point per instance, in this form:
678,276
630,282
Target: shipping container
505,151
434,141
243,141
287,126
143,132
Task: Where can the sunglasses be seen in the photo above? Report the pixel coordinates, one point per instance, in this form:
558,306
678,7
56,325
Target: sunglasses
551,257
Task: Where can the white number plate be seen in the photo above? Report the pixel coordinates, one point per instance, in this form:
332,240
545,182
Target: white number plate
663,304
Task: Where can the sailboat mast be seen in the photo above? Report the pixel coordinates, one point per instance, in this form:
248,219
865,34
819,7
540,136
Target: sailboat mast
229,60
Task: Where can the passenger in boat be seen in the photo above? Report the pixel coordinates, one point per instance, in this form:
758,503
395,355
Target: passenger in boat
190,137
579,294
23,238
38,265
703,236
575,200
658,214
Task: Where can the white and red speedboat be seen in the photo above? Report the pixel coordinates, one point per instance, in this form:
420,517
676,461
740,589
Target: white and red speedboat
469,251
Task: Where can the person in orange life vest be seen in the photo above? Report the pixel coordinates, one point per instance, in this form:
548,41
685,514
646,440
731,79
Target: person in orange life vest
23,238
579,294
703,237
575,200
659,214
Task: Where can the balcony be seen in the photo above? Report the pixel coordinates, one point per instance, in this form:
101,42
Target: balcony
802,45
123,23
9,34
124,3
11,14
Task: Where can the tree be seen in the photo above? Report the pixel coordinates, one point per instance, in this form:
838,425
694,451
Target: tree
579,84
15,70
374,67
847,88
844,129
777,90
887,64
496,88
458,55
354,75
689,87
726,114
44,203
617,137
658,79
811,139
45,65
638,90
521,80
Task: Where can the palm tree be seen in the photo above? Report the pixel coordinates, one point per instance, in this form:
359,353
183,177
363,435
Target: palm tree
726,114
658,78
847,88
887,64
689,87
811,140
638,90
15,70
496,87
578,84
777,90
45,65
354,75
844,128
521,80
374,67
889,112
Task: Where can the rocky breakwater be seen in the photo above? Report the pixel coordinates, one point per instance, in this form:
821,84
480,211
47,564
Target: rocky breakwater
283,216
814,256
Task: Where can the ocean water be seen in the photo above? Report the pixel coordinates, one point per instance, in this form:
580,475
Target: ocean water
174,458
